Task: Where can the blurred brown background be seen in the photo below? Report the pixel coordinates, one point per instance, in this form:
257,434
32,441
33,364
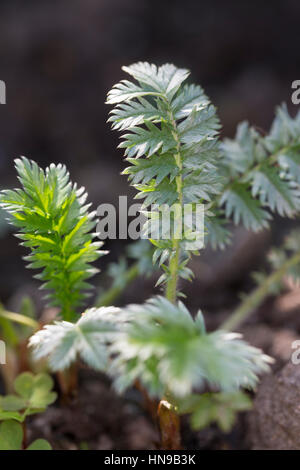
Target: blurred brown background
60,57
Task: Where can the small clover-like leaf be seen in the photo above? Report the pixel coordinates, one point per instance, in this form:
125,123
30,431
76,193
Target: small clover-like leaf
220,408
35,389
8,415
12,403
11,435
24,384
41,395
39,444
34,394
43,382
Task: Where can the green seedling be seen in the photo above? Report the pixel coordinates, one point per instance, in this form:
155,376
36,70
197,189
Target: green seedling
12,438
174,155
33,394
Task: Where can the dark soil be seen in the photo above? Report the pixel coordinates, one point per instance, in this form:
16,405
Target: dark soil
98,419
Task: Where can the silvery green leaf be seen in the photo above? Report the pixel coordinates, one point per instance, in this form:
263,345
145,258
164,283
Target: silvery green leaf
162,346
63,342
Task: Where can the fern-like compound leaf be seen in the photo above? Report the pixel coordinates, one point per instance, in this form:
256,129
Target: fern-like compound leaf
54,221
163,347
242,207
87,339
170,136
267,169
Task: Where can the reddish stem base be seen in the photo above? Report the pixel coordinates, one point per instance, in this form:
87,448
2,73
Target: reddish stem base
169,424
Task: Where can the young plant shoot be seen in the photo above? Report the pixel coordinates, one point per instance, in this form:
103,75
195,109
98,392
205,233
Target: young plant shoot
54,221
33,395
170,135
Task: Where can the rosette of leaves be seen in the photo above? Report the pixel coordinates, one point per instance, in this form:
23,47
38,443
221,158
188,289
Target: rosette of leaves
160,346
157,343
54,221
169,352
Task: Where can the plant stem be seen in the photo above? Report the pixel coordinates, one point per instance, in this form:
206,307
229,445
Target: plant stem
171,288
169,421
24,440
169,425
149,403
18,318
252,301
110,296
68,383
